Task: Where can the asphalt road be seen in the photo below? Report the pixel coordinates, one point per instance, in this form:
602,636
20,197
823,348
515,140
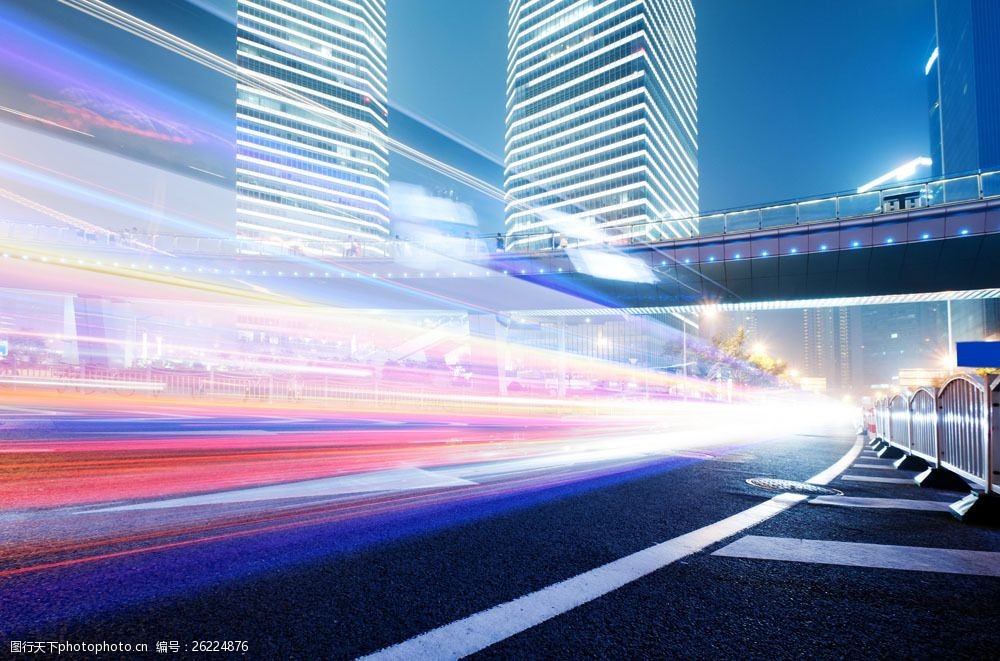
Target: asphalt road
341,587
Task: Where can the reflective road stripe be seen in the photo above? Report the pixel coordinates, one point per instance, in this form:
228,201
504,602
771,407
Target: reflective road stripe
852,554
882,503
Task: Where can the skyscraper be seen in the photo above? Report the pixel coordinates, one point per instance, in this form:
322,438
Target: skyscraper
311,120
601,119
831,347
963,74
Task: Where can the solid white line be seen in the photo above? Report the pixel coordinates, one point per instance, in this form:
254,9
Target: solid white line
880,467
882,503
853,554
882,480
480,630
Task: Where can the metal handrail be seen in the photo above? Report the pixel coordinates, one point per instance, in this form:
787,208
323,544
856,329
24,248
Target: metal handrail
877,202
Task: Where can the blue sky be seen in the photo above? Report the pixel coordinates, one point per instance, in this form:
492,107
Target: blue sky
796,97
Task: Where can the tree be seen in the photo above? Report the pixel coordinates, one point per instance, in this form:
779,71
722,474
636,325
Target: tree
733,346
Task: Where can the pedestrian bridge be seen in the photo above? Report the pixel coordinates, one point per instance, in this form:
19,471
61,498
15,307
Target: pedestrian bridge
936,236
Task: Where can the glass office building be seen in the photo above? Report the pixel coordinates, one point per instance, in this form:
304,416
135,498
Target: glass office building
312,120
963,75
601,121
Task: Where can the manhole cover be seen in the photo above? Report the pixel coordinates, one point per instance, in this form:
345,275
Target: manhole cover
791,486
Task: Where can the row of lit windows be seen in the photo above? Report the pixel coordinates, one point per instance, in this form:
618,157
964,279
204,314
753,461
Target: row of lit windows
581,104
246,59
279,27
312,203
336,19
524,79
683,136
564,176
311,141
586,153
539,27
261,112
583,69
551,46
358,173
300,166
544,48
288,207
541,143
604,186
588,84
659,93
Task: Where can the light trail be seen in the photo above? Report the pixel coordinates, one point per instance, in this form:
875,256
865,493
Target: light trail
42,120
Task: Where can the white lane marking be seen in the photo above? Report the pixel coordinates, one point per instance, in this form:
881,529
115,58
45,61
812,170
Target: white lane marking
854,554
480,630
880,467
402,479
882,480
882,503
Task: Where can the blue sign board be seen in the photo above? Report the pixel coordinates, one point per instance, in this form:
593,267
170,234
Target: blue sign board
978,354
3,348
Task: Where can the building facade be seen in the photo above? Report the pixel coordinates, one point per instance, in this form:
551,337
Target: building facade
963,75
312,121
601,121
831,348
902,336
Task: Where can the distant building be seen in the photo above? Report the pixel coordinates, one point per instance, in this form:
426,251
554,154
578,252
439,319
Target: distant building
963,75
975,320
303,174
831,338
601,119
902,336
815,384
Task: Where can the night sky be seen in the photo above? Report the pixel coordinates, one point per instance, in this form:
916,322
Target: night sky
795,98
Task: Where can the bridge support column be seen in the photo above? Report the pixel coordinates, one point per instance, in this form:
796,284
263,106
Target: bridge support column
561,361
90,323
70,346
489,350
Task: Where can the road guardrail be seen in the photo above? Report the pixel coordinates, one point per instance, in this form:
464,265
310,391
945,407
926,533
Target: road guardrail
952,433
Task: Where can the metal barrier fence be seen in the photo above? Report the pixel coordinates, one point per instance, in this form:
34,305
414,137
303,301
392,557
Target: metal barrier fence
954,427
899,422
923,424
271,388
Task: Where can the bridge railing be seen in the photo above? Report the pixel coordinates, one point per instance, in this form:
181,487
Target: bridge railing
954,427
875,202
900,197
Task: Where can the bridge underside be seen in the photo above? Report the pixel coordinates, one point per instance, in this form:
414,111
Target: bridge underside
940,249
965,263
